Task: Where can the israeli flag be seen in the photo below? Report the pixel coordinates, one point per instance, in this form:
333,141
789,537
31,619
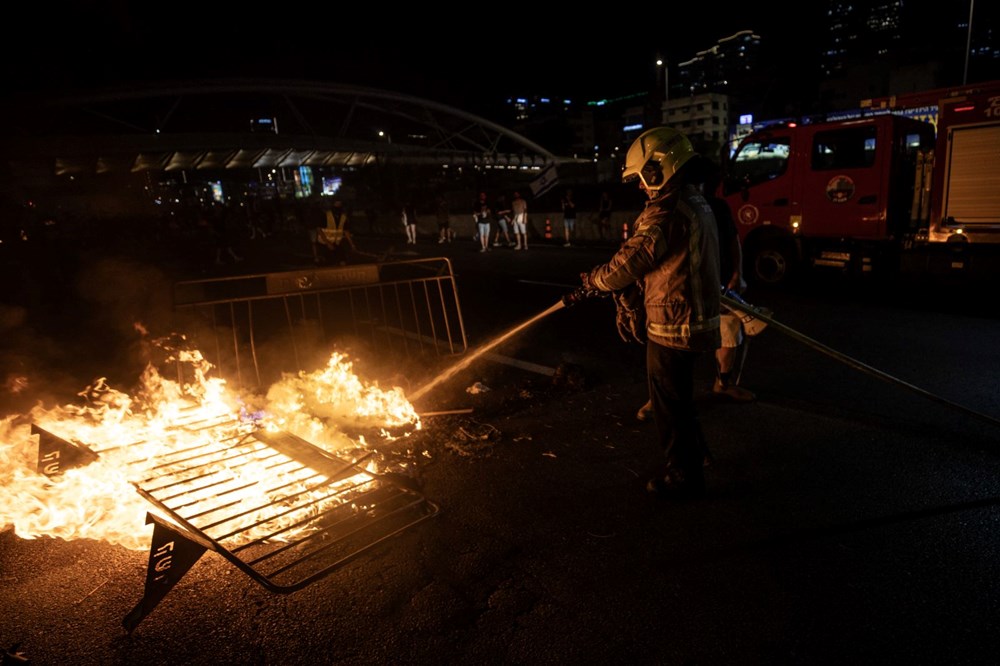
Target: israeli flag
545,182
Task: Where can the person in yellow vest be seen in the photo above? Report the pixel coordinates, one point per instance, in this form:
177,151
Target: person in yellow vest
335,236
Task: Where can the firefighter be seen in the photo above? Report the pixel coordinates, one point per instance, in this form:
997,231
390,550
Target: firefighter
732,352
665,281
727,375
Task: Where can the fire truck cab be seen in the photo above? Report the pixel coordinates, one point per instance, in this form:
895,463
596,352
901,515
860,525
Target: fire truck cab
825,194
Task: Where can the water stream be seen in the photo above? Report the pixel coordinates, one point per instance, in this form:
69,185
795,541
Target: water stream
449,372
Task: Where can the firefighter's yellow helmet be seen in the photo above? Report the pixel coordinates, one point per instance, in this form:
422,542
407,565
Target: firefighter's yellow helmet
656,156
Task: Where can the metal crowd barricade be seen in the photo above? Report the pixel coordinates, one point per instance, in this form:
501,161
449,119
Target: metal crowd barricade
262,324
305,513
279,508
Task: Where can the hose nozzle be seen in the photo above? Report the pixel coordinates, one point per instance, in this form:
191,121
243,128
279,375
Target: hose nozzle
579,295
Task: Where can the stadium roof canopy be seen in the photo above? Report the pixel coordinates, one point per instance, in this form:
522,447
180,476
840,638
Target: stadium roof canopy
249,124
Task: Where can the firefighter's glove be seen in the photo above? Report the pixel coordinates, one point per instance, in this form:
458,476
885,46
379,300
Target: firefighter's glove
585,291
580,294
630,314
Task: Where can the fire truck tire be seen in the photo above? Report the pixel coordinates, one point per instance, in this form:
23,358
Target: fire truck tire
771,263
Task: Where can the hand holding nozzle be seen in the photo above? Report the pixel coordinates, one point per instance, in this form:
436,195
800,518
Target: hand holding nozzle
582,293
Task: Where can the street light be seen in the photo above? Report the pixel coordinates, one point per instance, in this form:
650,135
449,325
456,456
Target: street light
660,62
968,43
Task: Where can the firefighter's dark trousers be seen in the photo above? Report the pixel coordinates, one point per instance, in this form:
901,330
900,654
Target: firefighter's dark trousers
671,389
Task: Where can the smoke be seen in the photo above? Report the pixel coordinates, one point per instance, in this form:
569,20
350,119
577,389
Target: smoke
71,322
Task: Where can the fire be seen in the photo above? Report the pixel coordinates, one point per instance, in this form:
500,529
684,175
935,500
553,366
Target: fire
133,434
308,404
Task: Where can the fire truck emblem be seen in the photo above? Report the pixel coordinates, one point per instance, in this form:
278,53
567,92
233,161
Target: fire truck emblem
840,189
747,214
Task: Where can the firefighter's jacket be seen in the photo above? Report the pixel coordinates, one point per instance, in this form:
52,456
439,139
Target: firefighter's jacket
673,255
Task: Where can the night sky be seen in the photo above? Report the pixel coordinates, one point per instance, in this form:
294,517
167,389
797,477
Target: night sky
471,59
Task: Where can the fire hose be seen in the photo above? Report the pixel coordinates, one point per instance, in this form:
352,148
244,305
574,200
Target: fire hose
737,304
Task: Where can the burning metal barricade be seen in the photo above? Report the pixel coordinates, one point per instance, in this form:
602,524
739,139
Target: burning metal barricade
287,494
400,309
282,510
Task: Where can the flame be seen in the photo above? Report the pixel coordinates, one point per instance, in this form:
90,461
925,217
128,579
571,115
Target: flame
131,434
308,404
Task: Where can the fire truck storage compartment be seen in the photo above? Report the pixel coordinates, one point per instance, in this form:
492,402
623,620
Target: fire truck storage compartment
972,177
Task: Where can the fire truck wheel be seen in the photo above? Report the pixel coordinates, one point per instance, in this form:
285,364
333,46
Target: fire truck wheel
771,263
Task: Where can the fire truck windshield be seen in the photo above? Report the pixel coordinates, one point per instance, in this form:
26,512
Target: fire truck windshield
759,161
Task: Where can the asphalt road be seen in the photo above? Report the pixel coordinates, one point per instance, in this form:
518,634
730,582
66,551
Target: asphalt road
852,517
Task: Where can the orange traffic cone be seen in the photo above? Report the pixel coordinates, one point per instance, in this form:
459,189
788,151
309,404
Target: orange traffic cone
548,228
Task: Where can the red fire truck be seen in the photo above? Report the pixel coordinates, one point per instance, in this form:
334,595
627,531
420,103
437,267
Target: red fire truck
881,192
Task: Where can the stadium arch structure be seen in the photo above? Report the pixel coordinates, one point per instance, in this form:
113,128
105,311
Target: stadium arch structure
141,141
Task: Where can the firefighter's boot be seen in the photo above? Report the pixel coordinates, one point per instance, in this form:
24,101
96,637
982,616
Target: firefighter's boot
732,391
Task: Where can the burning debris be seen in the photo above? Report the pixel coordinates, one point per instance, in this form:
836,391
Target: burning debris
131,434
276,484
473,439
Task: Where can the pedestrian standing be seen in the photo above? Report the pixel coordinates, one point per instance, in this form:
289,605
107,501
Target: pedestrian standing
409,219
604,207
502,215
569,217
519,209
220,219
481,218
443,214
